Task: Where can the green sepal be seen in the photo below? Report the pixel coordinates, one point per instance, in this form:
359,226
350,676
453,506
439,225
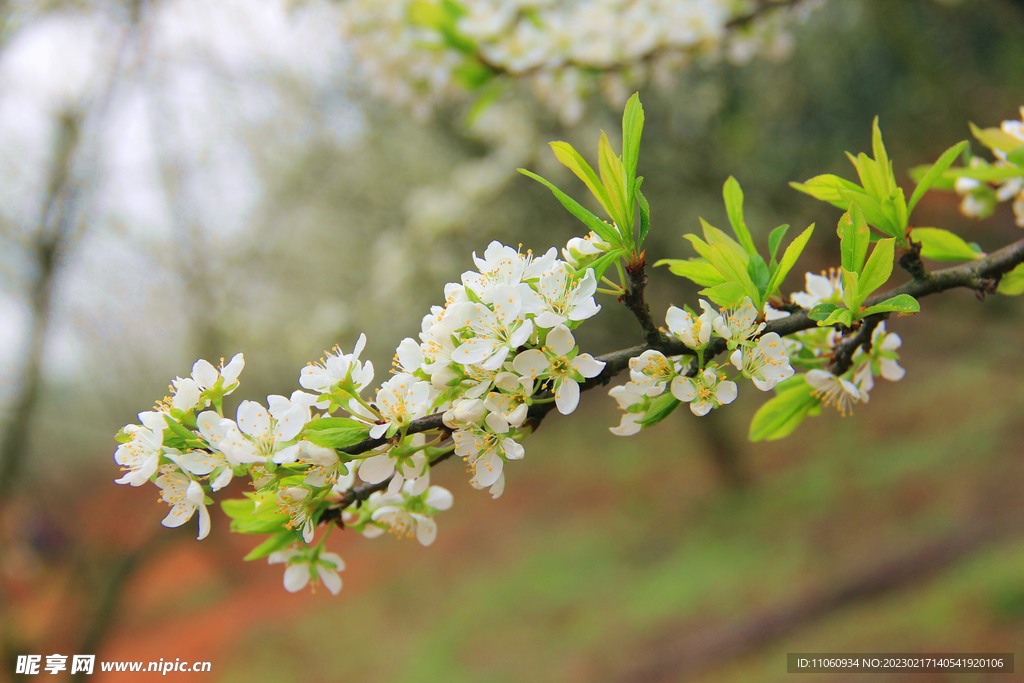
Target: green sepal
942,245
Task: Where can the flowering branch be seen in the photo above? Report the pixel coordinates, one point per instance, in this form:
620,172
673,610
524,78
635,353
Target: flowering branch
500,354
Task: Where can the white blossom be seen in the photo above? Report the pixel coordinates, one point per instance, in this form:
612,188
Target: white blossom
705,391
827,287
766,363
557,363
834,390
337,367
300,567
140,456
185,496
694,332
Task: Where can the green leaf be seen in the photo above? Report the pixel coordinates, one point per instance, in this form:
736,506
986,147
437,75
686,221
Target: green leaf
881,158
757,269
1016,156
473,74
874,213
606,232
279,540
733,196
944,182
904,304
878,268
995,138
715,236
789,258
645,213
632,128
781,415
605,261
335,432
827,188
698,270
774,240
822,311
840,315
851,290
870,174
987,173
236,508
933,173
729,294
1012,283
611,170
572,160
700,246
942,245
855,235
660,408
732,267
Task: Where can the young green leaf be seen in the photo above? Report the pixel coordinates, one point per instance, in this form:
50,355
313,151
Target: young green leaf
733,196
698,270
645,213
878,268
855,235
610,167
822,311
874,213
881,158
1016,156
632,128
904,304
789,258
942,245
660,408
933,173
732,267
728,294
774,240
781,415
851,291
335,432
1012,283
944,182
606,260
757,269
279,540
603,230
839,316
994,138
828,188
572,160
987,173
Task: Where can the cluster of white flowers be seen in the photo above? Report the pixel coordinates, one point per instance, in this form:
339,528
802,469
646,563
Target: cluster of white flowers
763,359
980,197
421,53
502,342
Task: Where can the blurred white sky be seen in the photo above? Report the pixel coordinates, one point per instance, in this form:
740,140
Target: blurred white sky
209,94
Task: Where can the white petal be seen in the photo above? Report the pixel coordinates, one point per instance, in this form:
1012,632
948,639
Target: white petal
204,374
204,522
683,389
726,392
439,498
474,350
560,340
567,396
588,365
487,469
498,487
232,370
376,469
701,408
178,515
333,558
496,360
426,529
497,423
296,576
330,578
253,419
530,363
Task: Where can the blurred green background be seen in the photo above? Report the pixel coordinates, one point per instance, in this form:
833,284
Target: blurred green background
234,188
